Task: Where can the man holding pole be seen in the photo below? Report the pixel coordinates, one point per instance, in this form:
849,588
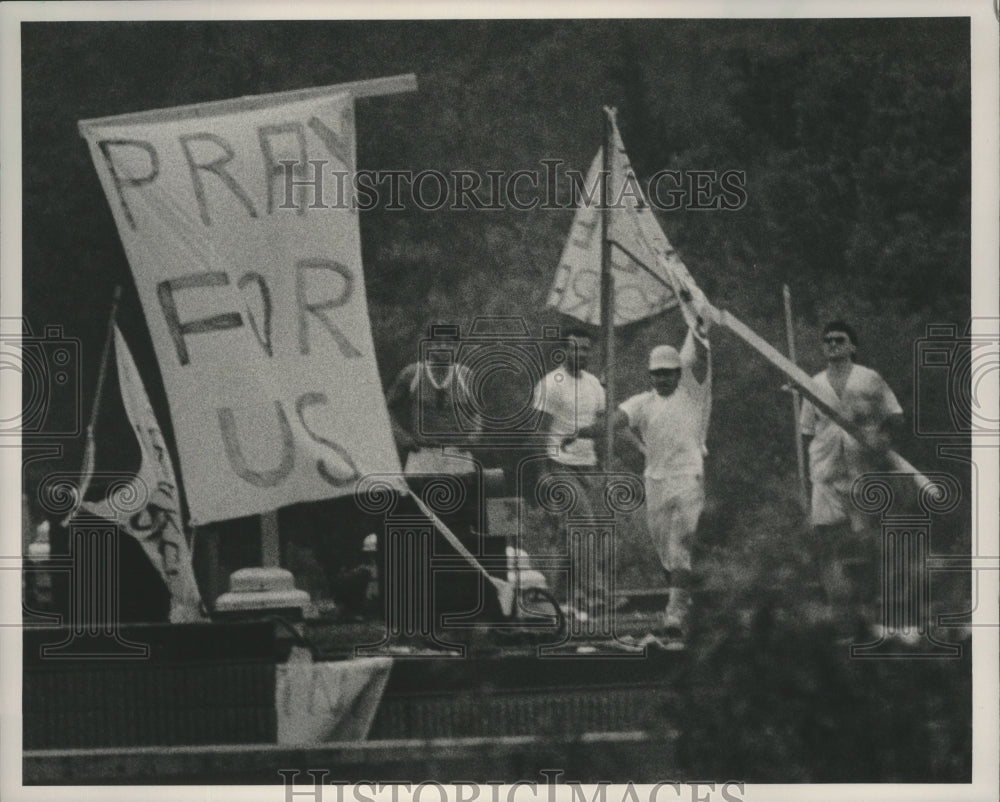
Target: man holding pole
668,424
836,459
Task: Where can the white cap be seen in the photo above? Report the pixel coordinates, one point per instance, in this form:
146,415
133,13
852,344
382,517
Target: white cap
664,357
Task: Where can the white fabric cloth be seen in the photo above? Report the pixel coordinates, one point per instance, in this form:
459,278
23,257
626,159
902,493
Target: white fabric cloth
573,402
258,316
670,429
333,701
161,535
830,503
640,292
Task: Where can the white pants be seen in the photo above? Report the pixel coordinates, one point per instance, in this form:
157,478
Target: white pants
673,507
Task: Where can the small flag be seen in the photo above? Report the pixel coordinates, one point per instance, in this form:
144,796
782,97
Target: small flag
649,276
148,507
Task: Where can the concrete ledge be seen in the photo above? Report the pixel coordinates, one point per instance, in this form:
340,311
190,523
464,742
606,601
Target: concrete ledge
591,757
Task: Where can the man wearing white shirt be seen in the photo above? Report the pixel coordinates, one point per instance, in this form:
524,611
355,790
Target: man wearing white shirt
836,460
571,401
668,423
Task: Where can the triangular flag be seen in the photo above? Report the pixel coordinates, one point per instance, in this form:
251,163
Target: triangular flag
148,507
649,276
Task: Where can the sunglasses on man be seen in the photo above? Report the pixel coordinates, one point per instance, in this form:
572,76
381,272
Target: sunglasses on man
835,340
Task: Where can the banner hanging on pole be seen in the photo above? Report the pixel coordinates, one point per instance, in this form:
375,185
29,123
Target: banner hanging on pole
246,254
148,508
648,273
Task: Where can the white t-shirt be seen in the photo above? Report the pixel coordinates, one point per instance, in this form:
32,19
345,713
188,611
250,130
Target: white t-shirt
673,427
670,428
867,401
573,402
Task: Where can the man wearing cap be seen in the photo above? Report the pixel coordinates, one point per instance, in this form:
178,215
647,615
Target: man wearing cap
836,459
668,424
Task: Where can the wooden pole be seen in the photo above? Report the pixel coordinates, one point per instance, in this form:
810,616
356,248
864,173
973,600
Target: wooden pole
374,87
102,373
270,543
90,448
607,294
796,401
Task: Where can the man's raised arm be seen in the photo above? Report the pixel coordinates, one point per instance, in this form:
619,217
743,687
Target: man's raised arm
695,354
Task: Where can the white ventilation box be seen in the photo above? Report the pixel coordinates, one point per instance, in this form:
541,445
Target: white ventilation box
262,590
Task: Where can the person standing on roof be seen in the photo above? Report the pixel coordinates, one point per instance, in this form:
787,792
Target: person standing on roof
668,424
426,409
571,401
836,459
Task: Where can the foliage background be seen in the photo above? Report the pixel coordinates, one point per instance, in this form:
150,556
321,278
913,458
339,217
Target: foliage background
855,140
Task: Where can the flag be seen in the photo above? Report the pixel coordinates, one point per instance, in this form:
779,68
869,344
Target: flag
240,225
148,508
649,276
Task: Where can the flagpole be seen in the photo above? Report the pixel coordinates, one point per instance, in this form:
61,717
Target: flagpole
607,294
796,401
89,455
270,540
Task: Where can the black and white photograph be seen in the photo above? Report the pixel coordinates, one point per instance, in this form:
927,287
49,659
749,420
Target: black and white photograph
441,402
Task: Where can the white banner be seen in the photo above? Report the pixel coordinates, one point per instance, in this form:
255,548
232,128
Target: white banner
252,284
149,508
645,267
